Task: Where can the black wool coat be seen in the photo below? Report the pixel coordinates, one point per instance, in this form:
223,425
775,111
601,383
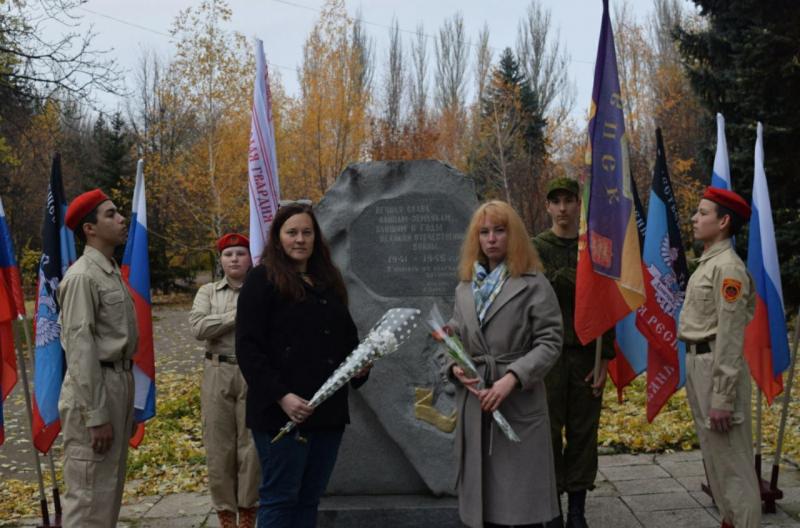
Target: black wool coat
284,346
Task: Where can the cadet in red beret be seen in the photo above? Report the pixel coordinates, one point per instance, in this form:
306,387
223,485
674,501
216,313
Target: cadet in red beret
234,472
99,336
718,305
83,205
232,240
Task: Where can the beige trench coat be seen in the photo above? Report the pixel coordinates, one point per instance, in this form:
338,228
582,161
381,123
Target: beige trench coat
500,481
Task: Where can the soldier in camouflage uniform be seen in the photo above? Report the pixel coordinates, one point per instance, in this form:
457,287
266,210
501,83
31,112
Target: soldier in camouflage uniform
574,398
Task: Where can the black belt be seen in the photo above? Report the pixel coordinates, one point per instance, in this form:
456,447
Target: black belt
698,348
122,364
222,358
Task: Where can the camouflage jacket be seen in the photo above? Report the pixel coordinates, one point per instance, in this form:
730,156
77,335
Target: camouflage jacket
560,259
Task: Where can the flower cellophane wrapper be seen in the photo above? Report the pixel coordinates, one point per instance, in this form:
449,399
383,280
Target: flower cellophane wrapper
386,336
455,350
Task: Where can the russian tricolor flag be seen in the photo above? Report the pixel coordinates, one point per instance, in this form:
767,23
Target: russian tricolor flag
136,272
11,305
721,177
8,361
58,253
766,345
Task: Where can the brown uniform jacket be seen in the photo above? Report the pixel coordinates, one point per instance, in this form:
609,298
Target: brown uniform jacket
213,317
98,323
719,303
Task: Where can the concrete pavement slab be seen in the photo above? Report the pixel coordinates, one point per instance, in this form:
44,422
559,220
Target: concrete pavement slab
625,460
678,500
648,486
637,472
684,469
180,505
609,511
695,518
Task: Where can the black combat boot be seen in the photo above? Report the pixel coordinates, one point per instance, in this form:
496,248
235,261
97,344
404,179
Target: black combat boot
557,522
576,509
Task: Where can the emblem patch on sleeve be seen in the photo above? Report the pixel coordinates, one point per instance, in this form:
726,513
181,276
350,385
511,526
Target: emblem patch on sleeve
731,290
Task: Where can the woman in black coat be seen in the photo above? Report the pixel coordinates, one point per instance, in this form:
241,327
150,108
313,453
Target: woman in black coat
293,329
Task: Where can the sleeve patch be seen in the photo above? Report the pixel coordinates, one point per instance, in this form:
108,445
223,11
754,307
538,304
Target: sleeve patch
731,290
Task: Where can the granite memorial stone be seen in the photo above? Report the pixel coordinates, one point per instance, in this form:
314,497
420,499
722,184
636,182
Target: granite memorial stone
395,230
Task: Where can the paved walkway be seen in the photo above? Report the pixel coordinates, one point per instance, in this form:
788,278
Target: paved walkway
650,491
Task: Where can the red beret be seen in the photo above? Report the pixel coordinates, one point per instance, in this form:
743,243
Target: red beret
728,199
232,239
82,206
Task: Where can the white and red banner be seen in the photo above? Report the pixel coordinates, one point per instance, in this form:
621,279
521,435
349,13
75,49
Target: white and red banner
262,165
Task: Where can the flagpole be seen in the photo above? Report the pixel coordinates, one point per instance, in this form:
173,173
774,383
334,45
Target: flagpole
598,347
29,408
759,432
787,397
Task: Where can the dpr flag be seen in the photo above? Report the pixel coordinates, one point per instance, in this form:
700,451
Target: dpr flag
766,345
666,275
262,166
58,253
721,177
630,345
609,270
136,272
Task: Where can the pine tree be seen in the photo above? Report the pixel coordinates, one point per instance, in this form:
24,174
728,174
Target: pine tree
508,157
745,63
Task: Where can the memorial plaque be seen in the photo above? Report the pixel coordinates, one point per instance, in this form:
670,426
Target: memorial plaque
395,231
414,240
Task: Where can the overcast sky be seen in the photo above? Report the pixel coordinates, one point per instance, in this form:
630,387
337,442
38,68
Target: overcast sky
127,27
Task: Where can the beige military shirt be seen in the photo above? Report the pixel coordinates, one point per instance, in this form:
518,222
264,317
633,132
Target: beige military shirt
213,317
719,303
98,323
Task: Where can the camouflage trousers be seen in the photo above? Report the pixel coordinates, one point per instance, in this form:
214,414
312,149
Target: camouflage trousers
574,419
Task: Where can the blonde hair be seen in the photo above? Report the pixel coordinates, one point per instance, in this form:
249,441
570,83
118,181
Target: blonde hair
521,256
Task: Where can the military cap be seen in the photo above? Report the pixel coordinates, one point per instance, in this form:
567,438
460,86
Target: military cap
729,200
563,184
82,206
231,240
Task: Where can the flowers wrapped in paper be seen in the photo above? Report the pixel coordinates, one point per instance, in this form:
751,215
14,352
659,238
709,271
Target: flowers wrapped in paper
455,350
385,337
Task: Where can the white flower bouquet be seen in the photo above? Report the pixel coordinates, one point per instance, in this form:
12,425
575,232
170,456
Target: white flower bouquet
385,337
456,351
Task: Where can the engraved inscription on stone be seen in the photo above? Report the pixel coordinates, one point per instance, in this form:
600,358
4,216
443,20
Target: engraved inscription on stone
409,246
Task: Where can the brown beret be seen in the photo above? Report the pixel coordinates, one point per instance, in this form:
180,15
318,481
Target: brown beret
232,239
82,206
728,199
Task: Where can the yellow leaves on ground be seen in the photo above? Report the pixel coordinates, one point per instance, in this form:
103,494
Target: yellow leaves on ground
624,427
171,458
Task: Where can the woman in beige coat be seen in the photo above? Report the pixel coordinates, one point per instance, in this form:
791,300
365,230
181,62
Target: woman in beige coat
508,318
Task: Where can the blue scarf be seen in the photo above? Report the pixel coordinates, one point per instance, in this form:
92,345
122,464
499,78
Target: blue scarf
486,286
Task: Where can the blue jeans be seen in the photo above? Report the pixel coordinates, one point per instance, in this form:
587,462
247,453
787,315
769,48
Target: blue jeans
295,472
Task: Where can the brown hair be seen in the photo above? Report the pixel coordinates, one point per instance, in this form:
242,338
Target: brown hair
280,268
521,255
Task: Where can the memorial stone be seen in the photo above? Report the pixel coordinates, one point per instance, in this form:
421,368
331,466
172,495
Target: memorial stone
395,230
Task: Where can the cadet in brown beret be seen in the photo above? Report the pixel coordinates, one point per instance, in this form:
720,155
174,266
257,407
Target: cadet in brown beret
718,305
234,472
